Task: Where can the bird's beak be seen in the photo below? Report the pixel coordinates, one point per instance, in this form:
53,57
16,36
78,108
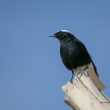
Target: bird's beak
52,36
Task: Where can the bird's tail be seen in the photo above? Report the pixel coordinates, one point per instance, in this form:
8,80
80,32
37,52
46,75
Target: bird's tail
95,69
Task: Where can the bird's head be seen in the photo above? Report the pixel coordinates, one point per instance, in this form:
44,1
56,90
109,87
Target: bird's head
63,36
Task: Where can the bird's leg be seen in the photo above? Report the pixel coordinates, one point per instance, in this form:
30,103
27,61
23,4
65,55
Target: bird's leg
71,80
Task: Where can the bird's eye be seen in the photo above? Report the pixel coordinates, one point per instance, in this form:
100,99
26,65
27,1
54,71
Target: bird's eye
62,37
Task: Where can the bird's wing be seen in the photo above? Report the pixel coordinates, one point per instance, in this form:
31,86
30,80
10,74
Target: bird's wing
83,51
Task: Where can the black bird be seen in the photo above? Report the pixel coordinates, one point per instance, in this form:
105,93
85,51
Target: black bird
73,52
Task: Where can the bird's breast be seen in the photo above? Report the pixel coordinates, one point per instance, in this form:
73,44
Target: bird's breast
68,56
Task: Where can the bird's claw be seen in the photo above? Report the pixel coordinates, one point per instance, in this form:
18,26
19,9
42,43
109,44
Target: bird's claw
83,72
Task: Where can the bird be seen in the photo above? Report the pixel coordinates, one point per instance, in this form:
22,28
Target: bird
73,52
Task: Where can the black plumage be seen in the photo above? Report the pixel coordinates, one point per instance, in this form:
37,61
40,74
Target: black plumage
73,52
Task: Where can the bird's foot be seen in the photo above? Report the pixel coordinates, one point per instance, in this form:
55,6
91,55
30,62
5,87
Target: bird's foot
83,71
85,68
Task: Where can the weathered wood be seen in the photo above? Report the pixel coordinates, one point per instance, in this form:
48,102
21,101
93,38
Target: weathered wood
71,104
84,94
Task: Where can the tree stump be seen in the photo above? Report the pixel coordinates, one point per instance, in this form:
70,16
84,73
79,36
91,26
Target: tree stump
85,92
